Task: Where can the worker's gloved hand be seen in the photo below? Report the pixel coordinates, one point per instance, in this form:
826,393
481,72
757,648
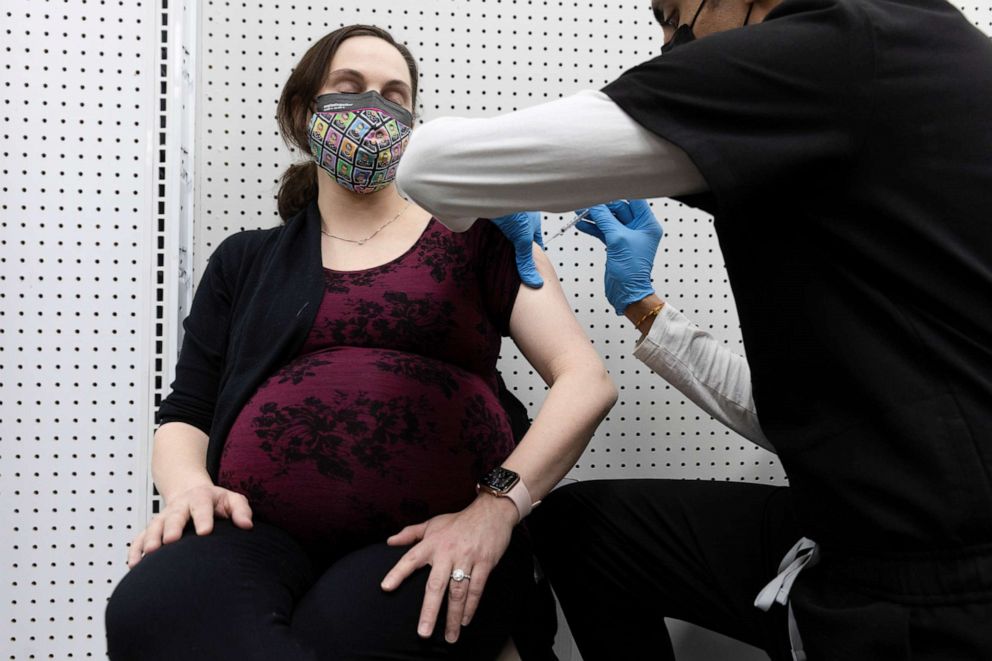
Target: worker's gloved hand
523,229
631,234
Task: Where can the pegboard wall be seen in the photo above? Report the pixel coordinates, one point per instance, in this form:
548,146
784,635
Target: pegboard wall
136,134
79,262
82,266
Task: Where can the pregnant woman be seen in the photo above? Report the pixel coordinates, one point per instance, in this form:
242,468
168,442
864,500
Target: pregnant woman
341,479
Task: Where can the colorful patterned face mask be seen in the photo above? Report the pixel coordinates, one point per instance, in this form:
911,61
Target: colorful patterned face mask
358,139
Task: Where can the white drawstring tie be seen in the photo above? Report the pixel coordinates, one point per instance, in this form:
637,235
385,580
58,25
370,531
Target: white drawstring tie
803,554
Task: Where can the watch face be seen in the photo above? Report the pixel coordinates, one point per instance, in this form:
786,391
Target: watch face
500,479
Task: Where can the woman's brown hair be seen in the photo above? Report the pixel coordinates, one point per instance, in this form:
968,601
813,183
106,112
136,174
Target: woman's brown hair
298,185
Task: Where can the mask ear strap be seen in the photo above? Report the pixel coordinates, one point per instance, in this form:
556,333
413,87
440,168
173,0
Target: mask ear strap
747,16
699,9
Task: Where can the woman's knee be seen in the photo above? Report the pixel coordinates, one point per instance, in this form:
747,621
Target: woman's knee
149,595
162,588
195,589
124,622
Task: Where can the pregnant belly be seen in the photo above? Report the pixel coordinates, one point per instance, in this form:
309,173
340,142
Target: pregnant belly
345,446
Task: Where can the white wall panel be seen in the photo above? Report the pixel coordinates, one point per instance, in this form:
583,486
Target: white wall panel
77,276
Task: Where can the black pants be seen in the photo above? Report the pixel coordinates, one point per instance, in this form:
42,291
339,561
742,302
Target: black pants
258,595
621,555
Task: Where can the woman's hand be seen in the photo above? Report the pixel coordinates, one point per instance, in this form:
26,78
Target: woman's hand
473,541
202,503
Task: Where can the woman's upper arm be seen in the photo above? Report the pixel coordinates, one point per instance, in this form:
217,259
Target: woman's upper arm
545,329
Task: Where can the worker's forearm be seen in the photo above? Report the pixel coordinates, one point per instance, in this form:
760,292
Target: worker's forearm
699,366
179,459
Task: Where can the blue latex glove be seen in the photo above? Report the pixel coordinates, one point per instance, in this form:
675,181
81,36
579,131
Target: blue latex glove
523,229
631,234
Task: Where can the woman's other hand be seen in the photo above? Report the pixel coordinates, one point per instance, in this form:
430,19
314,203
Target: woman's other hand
473,541
523,229
201,503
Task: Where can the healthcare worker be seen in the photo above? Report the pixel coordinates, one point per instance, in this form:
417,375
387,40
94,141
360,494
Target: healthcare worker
844,148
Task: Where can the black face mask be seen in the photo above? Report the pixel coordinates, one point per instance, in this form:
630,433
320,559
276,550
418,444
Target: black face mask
683,33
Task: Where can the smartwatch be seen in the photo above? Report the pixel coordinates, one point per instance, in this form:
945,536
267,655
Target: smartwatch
504,483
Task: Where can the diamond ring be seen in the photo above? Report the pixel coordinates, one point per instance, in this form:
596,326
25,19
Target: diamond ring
458,576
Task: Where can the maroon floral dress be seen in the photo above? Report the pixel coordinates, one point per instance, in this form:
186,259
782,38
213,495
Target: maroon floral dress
389,414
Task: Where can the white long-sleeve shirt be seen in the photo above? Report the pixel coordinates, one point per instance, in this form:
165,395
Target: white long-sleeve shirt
704,370
463,169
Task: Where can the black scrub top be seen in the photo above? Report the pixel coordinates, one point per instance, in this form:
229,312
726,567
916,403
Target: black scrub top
847,145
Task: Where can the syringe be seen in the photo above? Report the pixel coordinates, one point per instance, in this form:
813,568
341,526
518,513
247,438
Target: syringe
581,217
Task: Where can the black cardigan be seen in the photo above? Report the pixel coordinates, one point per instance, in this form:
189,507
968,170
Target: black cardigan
253,308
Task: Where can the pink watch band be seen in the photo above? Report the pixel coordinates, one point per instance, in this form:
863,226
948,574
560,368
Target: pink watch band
521,498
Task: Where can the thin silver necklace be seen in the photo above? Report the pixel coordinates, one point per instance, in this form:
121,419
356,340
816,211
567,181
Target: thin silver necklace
361,242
